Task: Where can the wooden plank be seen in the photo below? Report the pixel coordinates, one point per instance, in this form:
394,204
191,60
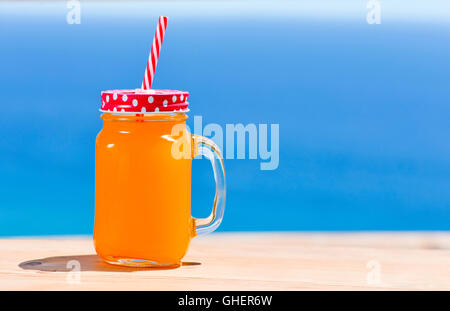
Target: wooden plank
242,261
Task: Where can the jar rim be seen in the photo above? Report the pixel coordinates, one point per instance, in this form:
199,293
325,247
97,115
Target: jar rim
131,113
150,116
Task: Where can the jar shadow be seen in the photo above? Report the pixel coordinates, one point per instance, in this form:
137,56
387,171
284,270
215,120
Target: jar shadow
85,263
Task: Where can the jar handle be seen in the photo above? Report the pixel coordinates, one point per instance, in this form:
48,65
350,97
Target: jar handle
206,147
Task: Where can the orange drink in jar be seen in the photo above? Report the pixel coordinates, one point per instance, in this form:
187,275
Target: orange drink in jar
143,179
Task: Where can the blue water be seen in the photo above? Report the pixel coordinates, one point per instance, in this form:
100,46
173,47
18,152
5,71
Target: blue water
364,111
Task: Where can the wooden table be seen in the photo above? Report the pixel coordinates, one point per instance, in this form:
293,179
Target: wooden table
241,261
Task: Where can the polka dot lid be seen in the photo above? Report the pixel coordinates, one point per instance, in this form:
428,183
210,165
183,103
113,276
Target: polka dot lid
144,101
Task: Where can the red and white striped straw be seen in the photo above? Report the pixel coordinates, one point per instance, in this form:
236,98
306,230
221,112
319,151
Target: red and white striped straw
154,53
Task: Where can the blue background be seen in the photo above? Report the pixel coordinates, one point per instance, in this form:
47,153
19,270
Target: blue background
364,110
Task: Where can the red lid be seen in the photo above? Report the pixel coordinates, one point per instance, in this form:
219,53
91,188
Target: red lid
144,101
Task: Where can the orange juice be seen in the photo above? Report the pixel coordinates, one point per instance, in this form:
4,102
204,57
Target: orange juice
143,193
143,179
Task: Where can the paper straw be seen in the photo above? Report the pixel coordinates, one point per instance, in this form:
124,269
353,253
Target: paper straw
154,53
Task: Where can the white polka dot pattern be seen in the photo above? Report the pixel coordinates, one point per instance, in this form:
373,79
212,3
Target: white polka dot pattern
144,101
